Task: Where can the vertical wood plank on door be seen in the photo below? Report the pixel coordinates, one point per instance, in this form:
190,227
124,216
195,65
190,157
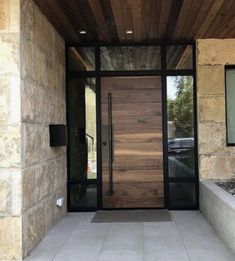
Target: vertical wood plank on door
138,156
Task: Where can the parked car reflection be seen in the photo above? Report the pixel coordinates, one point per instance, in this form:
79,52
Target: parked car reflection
179,145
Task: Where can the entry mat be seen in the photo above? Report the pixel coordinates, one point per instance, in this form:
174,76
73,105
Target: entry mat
118,216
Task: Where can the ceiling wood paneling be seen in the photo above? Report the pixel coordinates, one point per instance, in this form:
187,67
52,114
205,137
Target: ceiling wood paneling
108,20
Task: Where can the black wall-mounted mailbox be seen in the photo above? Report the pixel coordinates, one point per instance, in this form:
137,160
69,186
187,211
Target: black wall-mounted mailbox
58,135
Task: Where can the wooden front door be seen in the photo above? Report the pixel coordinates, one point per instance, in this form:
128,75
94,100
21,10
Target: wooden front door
132,143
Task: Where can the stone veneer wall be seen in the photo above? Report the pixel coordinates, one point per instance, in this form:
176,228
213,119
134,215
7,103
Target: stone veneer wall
10,132
216,160
43,103
32,96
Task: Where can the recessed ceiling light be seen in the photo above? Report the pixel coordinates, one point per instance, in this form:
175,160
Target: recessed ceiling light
129,32
82,32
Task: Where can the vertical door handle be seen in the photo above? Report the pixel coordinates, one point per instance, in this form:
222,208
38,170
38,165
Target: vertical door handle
110,124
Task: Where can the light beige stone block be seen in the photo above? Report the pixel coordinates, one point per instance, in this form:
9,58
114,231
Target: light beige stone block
42,180
34,63
54,213
30,188
44,32
215,51
10,99
10,192
27,20
34,227
40,67
10,238
4,98
210,80
10,146
14,25
36,104
28,65
211,109
212,139
4,15
220,166
9,53
59,49
35,143
60,177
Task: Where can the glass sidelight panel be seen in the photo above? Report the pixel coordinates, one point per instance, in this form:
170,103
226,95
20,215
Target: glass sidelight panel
182,195
181,140
230,105
180,122
81,100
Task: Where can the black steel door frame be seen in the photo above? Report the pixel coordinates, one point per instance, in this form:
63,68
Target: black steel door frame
164,73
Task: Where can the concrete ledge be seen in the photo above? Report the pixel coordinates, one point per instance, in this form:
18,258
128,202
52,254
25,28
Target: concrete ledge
218,206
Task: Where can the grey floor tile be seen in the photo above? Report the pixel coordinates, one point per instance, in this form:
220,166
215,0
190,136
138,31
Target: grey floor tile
77,255
187,237
214,254
200,240
192,221
85,239
42,255
166,255
195,231
162,239
120,255
124,236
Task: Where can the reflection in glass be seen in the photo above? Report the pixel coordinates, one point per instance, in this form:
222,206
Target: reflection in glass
181,141
182,195
129,58
81,58
179,57
181,158
82,142
230,97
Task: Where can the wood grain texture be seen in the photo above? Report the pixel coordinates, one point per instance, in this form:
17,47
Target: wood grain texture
134,175
137,146
108,20
134,195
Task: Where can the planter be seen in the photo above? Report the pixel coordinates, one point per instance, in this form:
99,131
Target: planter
218,206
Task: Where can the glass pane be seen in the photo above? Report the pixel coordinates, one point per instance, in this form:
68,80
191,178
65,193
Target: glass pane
230,98
83,196
181,156
82,138
179,57
81,58
182,195
129,58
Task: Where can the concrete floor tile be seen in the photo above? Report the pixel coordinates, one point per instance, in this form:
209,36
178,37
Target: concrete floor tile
166,256
77,255
214,254
158,240
120,255
187,237
124,237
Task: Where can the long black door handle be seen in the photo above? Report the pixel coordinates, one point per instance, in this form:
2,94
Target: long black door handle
110,124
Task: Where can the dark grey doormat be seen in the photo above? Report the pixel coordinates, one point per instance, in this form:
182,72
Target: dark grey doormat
117,216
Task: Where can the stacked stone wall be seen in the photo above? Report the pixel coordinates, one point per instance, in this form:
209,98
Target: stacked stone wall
43,103
216,159
10,132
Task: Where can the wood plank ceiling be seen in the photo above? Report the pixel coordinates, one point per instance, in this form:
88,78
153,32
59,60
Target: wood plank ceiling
109,20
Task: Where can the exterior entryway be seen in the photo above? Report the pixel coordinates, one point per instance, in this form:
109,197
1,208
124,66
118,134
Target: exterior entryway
131,116
132,143
187,238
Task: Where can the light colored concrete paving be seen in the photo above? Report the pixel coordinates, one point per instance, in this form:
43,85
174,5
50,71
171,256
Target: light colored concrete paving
187,238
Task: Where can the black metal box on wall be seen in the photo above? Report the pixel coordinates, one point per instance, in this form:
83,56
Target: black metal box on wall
58,135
